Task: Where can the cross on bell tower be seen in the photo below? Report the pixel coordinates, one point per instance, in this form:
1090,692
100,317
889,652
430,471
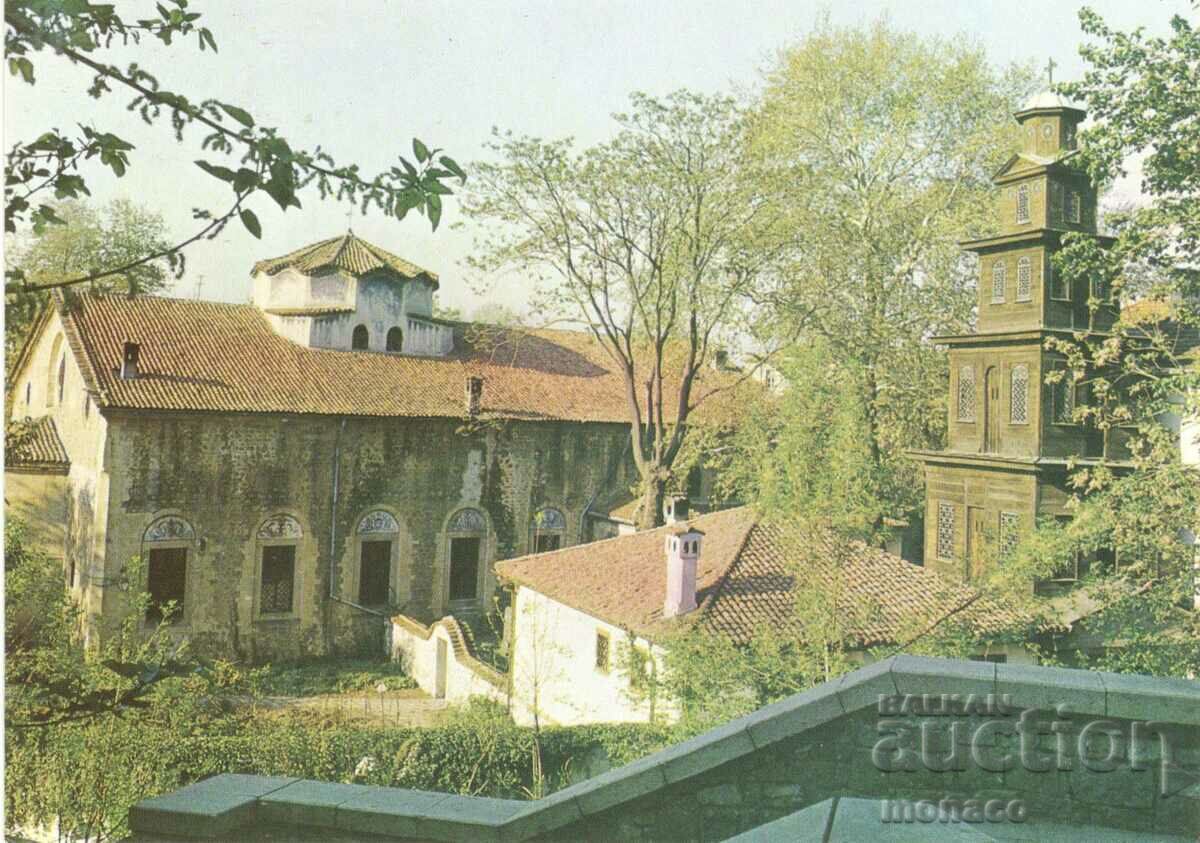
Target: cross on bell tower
1050,65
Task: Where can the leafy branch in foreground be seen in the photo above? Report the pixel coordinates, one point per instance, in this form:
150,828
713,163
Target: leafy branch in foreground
51,164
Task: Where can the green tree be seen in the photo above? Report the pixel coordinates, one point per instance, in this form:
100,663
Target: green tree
1143,378
90,238
264,164
645,240
877,147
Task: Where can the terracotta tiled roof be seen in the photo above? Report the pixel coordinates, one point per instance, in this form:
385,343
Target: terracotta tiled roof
346,253
33,445
745,581
209,356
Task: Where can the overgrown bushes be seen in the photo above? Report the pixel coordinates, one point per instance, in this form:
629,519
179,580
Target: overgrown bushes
87,776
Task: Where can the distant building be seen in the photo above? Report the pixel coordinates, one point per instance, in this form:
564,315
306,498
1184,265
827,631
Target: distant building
294,470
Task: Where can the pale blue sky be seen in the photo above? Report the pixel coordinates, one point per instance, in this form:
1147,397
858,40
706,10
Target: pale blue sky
362,77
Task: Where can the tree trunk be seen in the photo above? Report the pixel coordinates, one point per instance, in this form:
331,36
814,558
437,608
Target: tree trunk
650,509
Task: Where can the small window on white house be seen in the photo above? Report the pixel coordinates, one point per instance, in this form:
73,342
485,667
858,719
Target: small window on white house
28,394
62,378
1023,203
966,394
999,278
1024,279
603,651
1018,403
945,530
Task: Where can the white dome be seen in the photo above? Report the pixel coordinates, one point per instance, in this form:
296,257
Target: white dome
1048,99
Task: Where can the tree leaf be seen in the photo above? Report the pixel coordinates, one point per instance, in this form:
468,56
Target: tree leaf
420,150
238,114
223,173
434,203
451,165
251,222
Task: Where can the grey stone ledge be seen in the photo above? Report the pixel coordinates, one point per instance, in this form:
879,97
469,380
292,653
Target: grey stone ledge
919,675
1135,697
1051,688
209,808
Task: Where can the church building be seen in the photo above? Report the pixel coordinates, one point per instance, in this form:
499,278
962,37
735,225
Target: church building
295,470
1013,429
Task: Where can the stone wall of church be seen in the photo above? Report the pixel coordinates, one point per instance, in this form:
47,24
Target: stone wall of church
249,482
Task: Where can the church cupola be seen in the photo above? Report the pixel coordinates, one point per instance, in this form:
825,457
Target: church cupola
346,293
1048,122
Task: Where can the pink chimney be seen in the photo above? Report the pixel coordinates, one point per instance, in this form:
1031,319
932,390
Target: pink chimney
683,552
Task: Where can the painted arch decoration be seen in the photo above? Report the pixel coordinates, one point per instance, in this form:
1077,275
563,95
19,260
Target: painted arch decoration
468,521
549,519
378,521
280,527
169,528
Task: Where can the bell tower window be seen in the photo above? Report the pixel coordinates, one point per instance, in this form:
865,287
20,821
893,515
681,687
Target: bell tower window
966,394
1023,204
359,338
999,278
1073,206
1024,279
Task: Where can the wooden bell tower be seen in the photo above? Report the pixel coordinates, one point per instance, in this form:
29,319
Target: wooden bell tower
1011,431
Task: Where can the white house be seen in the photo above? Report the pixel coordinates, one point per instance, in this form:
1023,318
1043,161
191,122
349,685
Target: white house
575,612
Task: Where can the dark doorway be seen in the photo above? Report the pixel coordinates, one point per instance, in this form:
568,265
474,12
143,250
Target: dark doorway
374,576
359,338
395,339
991,410
545,542
464,568
166,581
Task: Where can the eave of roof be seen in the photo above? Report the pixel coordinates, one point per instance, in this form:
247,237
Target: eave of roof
40,451
347,253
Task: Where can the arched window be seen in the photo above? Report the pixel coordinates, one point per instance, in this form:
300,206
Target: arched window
377,535
359,338
1018,403
277,537
395,339
999,277
1073,206
549,525
966,394
167,541
62,378
466,532
1024,279
1023,203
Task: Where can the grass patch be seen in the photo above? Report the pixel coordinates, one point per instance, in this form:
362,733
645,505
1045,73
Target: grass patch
330,676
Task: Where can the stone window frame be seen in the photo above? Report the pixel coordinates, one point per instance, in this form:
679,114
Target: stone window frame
602,657
274,531
377,532
999,281
173,531
1024,278
965,406
947,531
1018,399
1024,212
487,539
549,526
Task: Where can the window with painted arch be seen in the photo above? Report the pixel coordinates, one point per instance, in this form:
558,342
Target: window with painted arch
166,545
378,532
278,538
466,533
549,527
